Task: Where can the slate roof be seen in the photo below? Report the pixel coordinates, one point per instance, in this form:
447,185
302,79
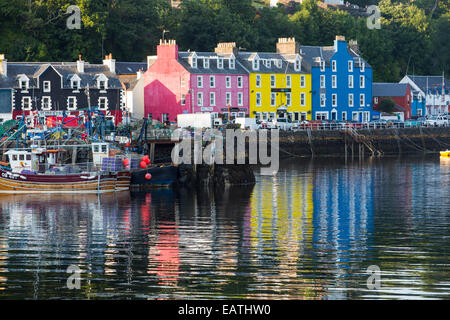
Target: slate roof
287,62
311,53
183,59
130,68
67,69
381,89
433,82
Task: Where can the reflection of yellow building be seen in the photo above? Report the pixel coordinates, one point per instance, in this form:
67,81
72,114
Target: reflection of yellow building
281,226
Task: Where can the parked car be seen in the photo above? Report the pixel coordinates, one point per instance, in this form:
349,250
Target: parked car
282,124
437,121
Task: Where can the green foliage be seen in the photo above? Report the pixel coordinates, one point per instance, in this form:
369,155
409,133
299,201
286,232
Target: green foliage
414,35
387,105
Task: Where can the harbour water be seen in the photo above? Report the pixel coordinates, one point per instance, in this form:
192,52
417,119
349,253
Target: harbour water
310,232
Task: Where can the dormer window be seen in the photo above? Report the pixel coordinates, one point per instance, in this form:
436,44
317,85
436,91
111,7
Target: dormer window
102,82
361,65
220,63
256,64
322,65
76,84
268,63
24,85
232,63
47,86
279,63
24,82
193,61
206,63
298,64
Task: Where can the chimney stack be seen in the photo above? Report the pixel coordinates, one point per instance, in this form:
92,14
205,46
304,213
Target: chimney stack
167,49
288,46
353,44
110,63
80,64
227,48
3,66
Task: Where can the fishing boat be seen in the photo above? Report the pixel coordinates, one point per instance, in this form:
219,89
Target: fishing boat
445,154
40,170
162,176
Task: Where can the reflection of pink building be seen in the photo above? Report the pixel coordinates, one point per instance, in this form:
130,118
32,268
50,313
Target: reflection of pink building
190,82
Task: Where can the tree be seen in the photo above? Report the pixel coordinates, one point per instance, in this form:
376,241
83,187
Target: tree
387,105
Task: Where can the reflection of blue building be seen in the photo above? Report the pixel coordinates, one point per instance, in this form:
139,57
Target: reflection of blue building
343,212
341,82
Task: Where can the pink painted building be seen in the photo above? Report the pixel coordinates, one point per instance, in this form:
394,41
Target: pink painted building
195,82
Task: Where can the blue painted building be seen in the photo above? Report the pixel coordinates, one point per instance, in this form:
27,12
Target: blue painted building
341,82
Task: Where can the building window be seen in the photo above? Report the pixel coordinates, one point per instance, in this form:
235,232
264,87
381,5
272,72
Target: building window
272,81
322,100
26,103
288,81
268,63
194,63
200,99
288,99
376,100
256,64
206,63
350,100
322,81
302,81
334,99
258,99
102,103
228,82
344,116
200,82
228,99
322,65
182,82
361,65
71,103
102,85
46,86
220,63
350,81
232,63
240,82
46,103
302,99
350,66
362,82
334,81
240,99
212,99
76,85
333,65
258,81
24,85
298,64
183,99
362,99
273,99
212,82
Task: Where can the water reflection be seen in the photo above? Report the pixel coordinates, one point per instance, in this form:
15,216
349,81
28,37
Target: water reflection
308,233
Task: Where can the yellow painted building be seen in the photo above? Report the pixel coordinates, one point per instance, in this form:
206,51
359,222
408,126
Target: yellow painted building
279,83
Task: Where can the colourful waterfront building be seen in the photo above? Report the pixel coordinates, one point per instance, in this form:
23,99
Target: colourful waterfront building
431,94
195,82
341,82
280,83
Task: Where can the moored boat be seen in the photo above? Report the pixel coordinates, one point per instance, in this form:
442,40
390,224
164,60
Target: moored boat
38,170
445,154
